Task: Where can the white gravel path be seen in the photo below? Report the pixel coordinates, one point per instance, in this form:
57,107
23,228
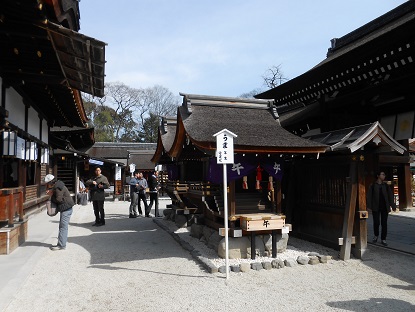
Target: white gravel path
134,265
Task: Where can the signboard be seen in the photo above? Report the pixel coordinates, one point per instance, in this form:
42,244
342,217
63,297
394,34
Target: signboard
224,146
224,155
117,173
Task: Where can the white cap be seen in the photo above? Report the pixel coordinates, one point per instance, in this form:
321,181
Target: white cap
49,177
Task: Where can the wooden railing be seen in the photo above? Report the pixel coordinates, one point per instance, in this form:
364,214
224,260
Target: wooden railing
31,192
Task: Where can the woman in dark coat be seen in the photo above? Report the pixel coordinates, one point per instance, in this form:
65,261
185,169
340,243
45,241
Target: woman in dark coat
60,195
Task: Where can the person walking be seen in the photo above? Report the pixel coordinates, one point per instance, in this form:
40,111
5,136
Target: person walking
134,196
96,187
380,200
154,186
60,195
141,187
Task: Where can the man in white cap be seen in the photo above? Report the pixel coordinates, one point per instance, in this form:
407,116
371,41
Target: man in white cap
60,195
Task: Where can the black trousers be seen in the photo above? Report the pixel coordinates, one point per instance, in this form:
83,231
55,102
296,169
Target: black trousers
99,211
154,199
142,196
380,218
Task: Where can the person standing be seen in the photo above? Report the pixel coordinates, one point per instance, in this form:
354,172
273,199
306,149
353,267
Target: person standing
60,195
154,186
141,187
380,200
96,187
134,196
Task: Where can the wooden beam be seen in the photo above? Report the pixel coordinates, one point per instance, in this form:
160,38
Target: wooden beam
386,159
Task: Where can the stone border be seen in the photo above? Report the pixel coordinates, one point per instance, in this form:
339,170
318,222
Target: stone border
312,258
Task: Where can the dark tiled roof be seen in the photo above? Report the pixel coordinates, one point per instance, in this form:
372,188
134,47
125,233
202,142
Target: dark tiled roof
353,139
142,161
139,154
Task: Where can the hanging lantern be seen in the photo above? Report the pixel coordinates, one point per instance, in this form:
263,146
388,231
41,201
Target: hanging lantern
31,150
9,143
245,182
258,177
44,158
270,183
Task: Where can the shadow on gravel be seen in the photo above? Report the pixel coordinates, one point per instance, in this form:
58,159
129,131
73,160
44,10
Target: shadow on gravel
124,239
33,243
110,267
373,304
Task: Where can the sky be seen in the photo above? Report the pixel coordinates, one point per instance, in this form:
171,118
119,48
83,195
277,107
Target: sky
218,47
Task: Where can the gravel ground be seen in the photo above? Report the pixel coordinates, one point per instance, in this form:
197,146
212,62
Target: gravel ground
134,265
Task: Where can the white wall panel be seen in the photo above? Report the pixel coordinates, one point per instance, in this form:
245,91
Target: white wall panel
33,124
16,108
45,132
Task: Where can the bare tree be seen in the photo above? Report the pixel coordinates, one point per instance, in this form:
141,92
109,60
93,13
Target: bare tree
159,102
123,113
251,94
274,76
122,101
163,102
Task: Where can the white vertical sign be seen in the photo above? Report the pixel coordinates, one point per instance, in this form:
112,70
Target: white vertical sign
132,169
117,172
224,147
224,155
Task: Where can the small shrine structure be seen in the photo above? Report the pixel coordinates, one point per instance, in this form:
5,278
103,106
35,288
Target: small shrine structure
186,147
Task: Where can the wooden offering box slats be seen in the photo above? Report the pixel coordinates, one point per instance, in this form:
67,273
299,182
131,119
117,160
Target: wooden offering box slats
262,222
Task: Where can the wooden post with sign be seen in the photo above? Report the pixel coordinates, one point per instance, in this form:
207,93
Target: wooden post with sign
224,155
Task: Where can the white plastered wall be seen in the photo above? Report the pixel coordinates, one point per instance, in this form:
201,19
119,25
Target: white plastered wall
16,108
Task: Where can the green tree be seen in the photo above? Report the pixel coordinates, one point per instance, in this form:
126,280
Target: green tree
149,131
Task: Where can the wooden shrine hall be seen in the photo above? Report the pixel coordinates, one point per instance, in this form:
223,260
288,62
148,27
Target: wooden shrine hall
360,101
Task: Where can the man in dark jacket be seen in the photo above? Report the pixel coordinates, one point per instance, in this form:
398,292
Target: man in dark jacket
380,200
153,186
96,186
60,195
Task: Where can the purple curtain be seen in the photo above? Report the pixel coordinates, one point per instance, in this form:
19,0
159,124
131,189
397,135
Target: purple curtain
244,165
273,166
172,171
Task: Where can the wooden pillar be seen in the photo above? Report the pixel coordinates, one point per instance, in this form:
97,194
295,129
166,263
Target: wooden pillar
19,203
349,212
404,187
278,196
231,199
361,216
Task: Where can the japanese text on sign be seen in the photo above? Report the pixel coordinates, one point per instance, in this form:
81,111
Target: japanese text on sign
224,148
